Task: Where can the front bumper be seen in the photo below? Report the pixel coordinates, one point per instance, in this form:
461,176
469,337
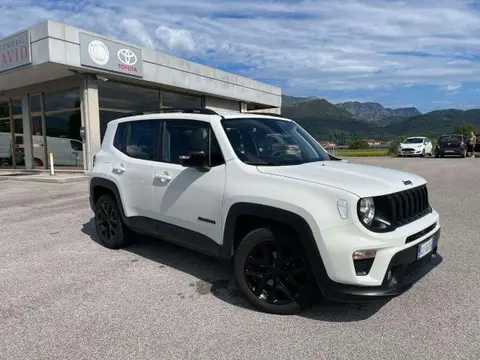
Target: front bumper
403,271
395,251
413,152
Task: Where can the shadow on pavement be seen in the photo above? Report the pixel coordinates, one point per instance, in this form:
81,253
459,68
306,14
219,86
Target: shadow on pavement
215,277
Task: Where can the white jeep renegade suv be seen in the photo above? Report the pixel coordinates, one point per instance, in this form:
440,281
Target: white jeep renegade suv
259,191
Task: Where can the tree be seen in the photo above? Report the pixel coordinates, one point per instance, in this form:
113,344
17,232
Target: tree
466,130
392,149
359,144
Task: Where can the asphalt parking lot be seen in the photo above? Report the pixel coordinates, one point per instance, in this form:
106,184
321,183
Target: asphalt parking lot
63,296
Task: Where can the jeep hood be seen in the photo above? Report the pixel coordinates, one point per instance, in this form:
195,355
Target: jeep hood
362,180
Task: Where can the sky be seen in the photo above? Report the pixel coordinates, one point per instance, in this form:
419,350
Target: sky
422,53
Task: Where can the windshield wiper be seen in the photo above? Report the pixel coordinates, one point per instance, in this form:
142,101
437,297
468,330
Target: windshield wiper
260,163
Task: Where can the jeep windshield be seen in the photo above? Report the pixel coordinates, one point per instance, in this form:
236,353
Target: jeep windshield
274,142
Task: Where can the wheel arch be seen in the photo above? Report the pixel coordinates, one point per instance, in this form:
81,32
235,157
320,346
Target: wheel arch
281,216
101,186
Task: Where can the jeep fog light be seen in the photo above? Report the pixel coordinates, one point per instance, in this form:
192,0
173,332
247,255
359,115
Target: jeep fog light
342,207
364,254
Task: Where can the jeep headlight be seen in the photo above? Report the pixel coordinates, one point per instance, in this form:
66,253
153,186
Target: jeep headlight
366,210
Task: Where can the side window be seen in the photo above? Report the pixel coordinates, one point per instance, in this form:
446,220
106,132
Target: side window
141,139
119,136
76,145
185,136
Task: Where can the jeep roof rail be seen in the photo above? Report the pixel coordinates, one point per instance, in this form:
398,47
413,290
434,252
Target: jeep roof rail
202,111
264,113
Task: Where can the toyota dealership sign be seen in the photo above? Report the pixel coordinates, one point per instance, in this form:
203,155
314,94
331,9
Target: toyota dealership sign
110,55
15,51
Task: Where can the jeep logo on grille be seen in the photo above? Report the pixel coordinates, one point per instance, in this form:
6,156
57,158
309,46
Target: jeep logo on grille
407,182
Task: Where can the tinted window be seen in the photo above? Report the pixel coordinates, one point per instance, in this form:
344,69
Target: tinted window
450,139
266,141
186,136
141,139
118,140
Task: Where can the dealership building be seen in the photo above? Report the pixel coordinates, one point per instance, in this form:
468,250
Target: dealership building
60,86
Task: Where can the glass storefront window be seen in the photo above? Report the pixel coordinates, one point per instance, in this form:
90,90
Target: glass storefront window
18,145
35,103
171,99
112,95
62,100
4,110
17,106
63,138
5,143
106,117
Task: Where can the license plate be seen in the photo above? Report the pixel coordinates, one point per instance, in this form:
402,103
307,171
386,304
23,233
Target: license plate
449,151
424,248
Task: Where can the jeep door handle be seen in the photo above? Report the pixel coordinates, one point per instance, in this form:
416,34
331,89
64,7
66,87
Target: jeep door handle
163,177
119,169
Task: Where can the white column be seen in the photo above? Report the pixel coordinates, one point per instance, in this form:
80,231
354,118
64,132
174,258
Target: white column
90,119
27,132
222,106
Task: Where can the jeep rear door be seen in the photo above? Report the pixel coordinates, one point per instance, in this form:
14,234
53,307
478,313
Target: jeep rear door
136,152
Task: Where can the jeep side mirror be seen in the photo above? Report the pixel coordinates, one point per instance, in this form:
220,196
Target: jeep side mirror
196,159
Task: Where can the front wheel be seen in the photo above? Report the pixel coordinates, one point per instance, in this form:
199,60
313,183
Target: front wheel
272,272
112,232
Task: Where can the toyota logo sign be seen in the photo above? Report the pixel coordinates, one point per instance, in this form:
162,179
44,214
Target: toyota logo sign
127,57
108,55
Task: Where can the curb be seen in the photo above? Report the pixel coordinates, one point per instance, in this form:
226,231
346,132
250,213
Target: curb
44,180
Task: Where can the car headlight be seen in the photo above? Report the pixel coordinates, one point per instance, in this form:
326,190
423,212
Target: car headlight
366,210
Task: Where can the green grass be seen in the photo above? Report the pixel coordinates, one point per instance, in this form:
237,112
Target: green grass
361,152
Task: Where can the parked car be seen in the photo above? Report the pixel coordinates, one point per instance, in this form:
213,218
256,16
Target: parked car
415,146
451,145
292,226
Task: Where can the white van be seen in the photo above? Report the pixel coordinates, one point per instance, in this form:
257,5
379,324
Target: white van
66,151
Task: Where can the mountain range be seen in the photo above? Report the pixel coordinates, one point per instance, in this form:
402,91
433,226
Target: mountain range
355,120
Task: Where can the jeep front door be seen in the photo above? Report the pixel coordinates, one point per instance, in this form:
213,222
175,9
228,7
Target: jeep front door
187,201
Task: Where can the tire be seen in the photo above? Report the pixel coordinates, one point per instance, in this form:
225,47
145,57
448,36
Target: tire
111,231
436,156
464,154
423,153
258,272
37,162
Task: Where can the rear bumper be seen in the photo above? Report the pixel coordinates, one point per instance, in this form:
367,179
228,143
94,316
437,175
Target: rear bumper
405,271
453,151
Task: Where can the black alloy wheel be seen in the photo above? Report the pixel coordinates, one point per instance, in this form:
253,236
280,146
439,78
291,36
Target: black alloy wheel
109,224
273,272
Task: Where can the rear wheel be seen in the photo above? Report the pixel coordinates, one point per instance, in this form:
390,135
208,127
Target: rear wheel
272,272
37,162
112,232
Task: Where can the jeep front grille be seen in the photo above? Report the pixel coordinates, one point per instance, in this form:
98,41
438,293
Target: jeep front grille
408,205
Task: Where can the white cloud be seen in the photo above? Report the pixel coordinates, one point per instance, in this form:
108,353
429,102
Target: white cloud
307,46
453,87
176,39
136,29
